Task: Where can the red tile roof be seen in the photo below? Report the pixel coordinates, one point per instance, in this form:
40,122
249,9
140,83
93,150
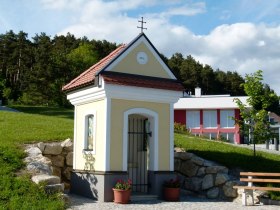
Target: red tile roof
141,81
87,77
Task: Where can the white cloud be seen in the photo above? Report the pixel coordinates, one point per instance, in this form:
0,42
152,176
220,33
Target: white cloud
62,4
188,9
244,47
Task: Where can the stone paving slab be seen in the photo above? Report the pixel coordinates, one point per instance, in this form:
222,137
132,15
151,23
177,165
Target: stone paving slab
186,202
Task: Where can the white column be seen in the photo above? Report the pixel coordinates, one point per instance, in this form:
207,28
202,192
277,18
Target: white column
171,147
75,137
107,125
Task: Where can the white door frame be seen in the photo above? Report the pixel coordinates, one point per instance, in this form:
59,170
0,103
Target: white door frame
153,144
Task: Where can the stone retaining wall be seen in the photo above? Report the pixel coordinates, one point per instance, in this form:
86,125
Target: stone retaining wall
204,177
51,163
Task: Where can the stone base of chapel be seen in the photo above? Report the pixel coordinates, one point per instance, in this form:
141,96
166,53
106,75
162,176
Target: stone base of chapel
157,179
95,185
98,185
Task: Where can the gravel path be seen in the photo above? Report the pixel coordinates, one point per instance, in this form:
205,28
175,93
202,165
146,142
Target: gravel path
186,202
260,147
4,108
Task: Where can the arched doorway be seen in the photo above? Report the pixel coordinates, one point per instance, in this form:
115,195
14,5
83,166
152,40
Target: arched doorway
140,148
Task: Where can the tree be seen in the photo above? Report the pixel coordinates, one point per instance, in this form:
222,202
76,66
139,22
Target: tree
82,58
175,63
259,102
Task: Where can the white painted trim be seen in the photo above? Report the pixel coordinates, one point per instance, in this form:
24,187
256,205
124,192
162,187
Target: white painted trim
86,114
140,94
154,138
125,141
86,95
75,138
171,143
210,102
107,125
152,50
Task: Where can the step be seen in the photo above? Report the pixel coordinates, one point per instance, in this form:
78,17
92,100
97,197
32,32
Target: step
54,188
143,197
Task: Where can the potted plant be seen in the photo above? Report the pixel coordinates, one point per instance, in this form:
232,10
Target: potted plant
171,190
122,191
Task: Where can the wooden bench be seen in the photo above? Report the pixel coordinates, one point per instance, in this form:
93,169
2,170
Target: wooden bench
257,177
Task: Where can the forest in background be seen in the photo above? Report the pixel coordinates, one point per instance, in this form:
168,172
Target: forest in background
33,71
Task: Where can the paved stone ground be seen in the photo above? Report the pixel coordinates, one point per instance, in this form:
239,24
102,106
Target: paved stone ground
4,108
186,202
259,147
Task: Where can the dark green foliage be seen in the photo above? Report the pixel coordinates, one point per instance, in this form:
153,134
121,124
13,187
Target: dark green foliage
274,195
172,183
193,74
33,72
261,100
180,128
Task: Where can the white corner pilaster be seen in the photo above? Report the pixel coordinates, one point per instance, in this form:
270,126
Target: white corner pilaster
107,125
171,149
75,137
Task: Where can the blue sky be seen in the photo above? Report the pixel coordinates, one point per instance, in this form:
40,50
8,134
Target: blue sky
235,35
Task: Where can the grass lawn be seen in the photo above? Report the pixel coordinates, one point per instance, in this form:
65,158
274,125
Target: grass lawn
32,124
229,155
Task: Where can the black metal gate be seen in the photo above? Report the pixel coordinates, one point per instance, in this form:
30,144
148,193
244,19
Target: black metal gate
137,153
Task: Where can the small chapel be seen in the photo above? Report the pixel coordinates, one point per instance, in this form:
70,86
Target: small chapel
123,123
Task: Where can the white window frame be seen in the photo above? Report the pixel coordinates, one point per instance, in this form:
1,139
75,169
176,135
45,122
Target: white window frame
191,112
227,118
215,118
93,150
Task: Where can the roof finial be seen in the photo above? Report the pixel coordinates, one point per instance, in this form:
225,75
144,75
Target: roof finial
142,23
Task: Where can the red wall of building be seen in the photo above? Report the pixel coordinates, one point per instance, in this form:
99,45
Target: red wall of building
180,116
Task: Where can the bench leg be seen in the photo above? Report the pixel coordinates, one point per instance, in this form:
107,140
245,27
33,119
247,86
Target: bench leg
244,196
244,199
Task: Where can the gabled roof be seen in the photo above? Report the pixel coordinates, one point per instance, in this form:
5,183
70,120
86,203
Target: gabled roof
88,77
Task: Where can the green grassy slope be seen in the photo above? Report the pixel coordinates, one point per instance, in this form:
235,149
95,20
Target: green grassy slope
32,124
229,155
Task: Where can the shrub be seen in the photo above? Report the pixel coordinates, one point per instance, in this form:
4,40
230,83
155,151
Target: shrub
123,185
180,128
172,183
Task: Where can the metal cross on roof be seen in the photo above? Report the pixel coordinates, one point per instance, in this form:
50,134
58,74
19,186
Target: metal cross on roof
142,24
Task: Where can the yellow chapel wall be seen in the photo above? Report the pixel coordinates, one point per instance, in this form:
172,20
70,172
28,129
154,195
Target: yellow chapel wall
97,108
130,65
118,107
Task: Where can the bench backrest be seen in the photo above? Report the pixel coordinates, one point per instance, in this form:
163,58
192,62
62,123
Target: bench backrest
255,177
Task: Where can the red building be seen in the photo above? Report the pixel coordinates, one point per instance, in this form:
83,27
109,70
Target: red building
210,115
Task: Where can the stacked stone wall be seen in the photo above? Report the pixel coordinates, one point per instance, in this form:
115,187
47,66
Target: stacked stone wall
204,177
51,163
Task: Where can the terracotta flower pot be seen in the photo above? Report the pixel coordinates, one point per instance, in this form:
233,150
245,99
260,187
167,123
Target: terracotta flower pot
171,194
121,196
